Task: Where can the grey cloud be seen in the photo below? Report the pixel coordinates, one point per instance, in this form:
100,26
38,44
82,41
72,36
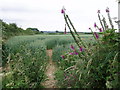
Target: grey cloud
14,9
24,9
10,20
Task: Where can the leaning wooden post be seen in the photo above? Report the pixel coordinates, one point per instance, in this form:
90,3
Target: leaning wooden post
65,29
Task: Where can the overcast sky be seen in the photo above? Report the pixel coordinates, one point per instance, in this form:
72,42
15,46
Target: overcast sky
46,14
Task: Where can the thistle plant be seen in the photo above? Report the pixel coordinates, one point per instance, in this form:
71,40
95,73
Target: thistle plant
94,66
103,29
75,35
100,20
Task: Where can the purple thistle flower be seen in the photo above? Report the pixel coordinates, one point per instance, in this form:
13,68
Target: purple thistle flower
98,11
62,56
89,28
75,53
95,25
81,49
100,29
71,53
96,35
72,47
107,10
62,11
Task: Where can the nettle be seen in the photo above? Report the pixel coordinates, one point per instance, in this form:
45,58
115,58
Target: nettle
96,65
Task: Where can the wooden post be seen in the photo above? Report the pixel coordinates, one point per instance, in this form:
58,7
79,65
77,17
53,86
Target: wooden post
65,29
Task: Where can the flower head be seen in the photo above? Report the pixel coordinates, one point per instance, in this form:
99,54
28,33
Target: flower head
96,35
62,56
95,25
89,28
72,47
63,10
107,9
75,53
100,29
71,53
98,11
81,49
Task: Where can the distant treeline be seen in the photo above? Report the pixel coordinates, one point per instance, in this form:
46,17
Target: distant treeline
9,30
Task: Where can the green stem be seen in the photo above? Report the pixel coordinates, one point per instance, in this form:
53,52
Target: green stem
71,31
101,22
76,31
110,21
104,22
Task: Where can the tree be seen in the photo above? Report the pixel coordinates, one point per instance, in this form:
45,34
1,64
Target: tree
33,29
57,31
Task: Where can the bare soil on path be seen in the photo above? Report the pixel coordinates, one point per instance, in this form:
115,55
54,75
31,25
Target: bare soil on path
50,70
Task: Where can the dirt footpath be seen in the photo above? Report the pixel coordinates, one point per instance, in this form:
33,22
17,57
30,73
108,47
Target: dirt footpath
51,68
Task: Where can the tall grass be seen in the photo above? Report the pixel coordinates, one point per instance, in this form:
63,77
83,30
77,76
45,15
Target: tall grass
26,59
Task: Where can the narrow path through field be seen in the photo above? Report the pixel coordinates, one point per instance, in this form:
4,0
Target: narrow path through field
51,68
